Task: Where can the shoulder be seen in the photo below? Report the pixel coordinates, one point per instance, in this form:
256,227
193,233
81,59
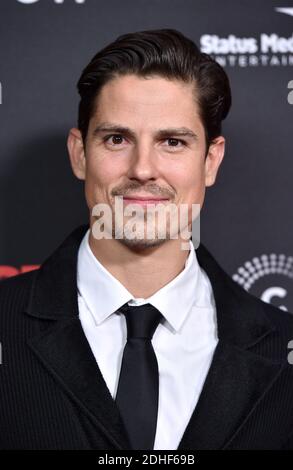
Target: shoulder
276,342
231,296
14,291
17,282
281,320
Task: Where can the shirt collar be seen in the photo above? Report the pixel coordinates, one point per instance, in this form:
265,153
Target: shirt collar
104,294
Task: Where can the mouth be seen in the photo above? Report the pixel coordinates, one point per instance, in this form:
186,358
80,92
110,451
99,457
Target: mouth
144,200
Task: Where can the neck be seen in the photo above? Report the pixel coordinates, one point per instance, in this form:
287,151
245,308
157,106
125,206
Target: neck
141,271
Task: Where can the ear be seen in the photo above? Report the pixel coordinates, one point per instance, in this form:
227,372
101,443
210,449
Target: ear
213,159
76,153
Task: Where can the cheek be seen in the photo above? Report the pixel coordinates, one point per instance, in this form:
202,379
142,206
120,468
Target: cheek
101,175
189,183
102,171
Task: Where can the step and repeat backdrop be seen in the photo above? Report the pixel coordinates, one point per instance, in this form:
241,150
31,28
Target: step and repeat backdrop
247,219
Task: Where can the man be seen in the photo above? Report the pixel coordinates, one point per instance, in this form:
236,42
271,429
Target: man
122,342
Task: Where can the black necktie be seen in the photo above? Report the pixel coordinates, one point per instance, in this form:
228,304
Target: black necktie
138,387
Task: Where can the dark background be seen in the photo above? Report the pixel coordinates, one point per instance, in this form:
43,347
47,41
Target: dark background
43,48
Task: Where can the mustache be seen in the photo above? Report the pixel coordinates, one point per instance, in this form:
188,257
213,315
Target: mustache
153,189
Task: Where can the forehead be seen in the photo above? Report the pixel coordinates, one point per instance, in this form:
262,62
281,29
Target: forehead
139,100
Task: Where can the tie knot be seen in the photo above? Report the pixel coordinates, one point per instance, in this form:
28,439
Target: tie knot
142,320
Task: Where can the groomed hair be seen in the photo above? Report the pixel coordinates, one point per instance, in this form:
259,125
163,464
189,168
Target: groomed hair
166,53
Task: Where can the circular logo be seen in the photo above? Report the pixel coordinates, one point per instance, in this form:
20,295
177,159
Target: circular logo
268,277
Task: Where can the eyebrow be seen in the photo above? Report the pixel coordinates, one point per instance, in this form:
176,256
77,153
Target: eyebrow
160,133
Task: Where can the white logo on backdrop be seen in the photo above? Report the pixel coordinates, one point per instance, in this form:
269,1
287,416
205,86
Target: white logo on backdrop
266,49
287,11
268,277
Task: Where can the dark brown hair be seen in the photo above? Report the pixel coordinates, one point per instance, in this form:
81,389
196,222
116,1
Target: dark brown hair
167,53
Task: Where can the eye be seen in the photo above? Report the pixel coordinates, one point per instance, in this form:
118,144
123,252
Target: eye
117,139
173,142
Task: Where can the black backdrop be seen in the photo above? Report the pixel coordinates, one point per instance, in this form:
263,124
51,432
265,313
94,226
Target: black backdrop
247,218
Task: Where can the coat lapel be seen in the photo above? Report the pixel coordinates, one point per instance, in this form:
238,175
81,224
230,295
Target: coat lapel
237,379
61,345
236,383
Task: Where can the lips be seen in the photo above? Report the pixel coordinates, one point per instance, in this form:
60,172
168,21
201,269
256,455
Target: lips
143,200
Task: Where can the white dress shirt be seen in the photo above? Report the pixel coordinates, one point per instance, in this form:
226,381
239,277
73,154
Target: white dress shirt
184,342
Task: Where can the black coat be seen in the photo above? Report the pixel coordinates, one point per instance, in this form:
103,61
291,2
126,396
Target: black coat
53,395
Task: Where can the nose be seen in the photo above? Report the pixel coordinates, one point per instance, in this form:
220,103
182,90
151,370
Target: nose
143,163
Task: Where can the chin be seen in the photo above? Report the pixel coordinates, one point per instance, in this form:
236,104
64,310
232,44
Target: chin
142,244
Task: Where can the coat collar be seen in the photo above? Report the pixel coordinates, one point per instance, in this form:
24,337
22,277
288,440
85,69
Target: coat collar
54,294
237,379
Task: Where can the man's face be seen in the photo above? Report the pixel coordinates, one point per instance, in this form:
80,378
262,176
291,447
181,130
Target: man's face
145,140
